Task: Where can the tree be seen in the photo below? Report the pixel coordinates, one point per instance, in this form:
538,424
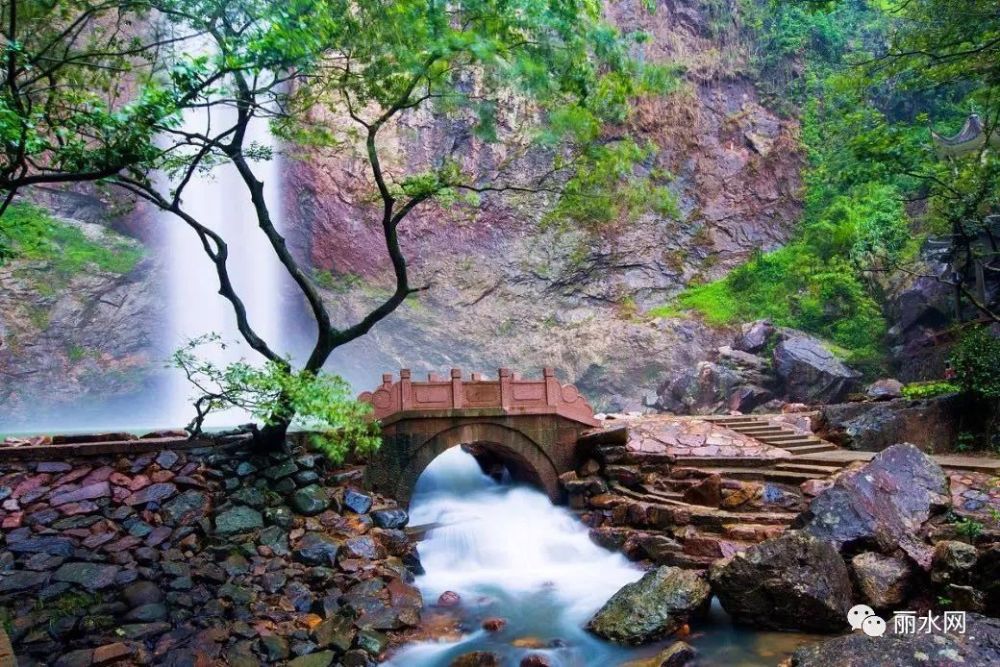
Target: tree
945,57
79,100
361,67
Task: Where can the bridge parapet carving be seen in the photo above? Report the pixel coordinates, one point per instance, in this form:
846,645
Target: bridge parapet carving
509,392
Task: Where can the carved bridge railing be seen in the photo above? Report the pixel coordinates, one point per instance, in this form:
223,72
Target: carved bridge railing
509,392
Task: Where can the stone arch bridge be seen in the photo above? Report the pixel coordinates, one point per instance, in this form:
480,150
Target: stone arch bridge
529,425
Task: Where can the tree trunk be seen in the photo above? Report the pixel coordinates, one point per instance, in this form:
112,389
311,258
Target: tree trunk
272,437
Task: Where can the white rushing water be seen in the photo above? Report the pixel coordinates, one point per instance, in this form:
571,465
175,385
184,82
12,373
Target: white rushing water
509,553
220,200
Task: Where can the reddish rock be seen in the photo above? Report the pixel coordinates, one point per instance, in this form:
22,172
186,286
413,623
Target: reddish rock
707,492
449,599
535,660
883,503
155,493
494,624
111,653
90,492
814,487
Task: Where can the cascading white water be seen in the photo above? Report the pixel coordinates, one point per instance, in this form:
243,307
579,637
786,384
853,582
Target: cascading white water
508,552
221,200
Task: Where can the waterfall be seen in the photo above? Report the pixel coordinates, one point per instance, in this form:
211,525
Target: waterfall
220,200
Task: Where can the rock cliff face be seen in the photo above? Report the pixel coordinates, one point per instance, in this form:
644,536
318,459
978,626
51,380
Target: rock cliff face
505,292
73,346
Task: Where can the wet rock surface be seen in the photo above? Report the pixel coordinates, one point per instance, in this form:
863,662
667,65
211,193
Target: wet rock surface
881,505
810,372
657,605
195,557
794,581
978,645
931,424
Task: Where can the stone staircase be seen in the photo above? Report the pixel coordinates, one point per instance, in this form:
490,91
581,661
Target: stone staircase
806,461
783,437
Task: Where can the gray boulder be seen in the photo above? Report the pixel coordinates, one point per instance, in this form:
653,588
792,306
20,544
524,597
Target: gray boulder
790,582
979,645
810,372
884,389
754,336
653,607
702,390
881,505
931,424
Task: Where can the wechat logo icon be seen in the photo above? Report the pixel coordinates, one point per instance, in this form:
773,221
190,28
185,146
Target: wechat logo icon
862,617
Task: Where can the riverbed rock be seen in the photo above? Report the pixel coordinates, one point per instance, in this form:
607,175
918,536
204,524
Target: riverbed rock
978,645
310,500
677,654
791,582
883,581
882,505
390,518
810,372
449,599
89,575
657,605
476,659
357,502
317,549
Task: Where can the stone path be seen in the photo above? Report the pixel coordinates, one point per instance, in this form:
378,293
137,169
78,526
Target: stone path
686,491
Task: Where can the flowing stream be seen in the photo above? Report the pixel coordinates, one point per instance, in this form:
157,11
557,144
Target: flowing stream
511,554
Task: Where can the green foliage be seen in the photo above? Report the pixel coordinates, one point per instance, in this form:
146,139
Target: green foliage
796,287
560,58
976,360
61,110
29,232
320,403
929,389
968,528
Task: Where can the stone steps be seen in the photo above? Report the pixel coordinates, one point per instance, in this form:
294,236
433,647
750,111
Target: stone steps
775,435
765,474
812,468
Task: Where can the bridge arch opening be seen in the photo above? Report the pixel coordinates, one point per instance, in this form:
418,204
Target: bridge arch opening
493,446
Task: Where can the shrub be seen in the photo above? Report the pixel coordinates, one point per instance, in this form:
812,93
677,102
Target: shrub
321,403
930,389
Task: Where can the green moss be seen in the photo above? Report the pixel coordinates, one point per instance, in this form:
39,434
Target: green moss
930,389
29,232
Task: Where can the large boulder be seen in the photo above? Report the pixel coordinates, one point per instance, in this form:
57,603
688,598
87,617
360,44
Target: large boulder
702,390
978,645
791,582
653,607
882,505
931,424
810,372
